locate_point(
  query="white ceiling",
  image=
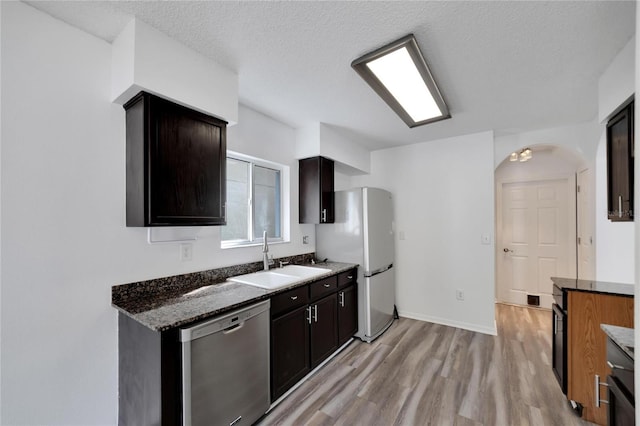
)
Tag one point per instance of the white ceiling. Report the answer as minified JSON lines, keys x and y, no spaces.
{"x":506,"y":66}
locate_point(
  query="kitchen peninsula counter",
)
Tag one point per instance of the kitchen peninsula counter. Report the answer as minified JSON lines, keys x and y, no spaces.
{"x":579,"y":349}
{"x":592,"y":286}
{"x":621,"y":336}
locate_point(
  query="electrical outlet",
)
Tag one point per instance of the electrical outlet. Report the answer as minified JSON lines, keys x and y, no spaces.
{"x":459,"y":294}
{"x":186,"y":252}
{"x":305,"y":239}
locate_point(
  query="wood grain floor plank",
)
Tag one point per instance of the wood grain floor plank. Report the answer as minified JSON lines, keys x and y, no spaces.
{"x":419,"y":373}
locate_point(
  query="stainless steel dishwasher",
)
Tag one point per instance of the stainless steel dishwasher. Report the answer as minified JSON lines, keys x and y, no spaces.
{"x":225,"y":368}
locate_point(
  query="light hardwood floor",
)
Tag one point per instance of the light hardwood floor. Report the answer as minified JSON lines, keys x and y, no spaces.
{"x":420,"y":373}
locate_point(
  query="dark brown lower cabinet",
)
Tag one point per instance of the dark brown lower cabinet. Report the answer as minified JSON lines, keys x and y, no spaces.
{"x":621,"y":411}
{"x":308,"y":325}
{"x":347,"y":313}
{"x":324,"y":328}
{"x":289,"y":350}
{"x":149,"y":375}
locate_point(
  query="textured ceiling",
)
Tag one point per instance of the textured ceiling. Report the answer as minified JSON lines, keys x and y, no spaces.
{"x":506,"y":66}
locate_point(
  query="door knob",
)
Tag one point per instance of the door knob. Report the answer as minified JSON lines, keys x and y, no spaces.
{"x":506,"y":250}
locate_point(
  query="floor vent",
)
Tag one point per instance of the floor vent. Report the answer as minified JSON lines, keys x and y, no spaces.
{"x":533,"y":300}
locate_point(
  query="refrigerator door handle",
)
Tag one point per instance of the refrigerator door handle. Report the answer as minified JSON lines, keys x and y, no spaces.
{"x":369,"y":274}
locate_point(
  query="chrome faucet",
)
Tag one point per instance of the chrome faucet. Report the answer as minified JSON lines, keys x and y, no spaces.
{"x":265,"y":252}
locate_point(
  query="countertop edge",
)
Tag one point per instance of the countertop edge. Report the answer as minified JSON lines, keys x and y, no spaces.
{"x":621,"y":336}
{"x":593,"y":286}
{"x":152,"y":318}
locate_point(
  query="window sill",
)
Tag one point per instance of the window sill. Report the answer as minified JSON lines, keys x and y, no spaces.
{"x":224,"y":246}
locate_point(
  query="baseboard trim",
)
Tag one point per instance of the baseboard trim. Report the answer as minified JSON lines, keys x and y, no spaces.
{"x":493,"y":331}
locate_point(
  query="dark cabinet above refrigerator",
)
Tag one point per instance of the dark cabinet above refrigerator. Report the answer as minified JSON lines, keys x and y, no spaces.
{"x":316,"y":190}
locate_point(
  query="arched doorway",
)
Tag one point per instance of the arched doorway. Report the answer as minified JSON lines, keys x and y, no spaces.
{"x":538,"y":213}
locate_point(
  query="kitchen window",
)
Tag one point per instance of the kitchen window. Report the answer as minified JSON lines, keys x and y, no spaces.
{"x":254,"y":201}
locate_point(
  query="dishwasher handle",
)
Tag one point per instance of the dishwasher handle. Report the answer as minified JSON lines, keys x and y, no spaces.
{"x":233,"y":328}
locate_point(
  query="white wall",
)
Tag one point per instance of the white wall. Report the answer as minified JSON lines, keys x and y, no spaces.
{"x":443,"y":203}
{"x":615,"y":241}
{"x":546,"y":162}
{"x":580,"y":139}
{"x":350,"y":157}
{"x":617,"y":83}
{"x":144,"y":58}
{"x":64,"y":240}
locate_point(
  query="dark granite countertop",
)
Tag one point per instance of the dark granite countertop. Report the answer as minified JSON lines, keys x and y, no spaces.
{"x":622,"y":336}
{"x":170,"y":302}
{"x":573,"y":284}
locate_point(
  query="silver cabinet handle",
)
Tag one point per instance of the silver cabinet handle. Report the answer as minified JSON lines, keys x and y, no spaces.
{"x":617,"y":367}
{"x":597,"y":385}
{"x":342,"y":299}
{"x":294,"y":297}
{"x":349,"y":277}
{"x":315,"y":313}
{"x":555,"y":324}
{"x":619,"y":205}
{"x":309,"y":314}
{"x":327,"y":285}
{"x":324,"y":215}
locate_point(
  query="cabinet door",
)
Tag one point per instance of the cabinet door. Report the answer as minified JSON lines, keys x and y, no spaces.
{"x":188,"y":164}
{"x":176,"y":164}
{"x":347,"y":313}
{"x":559,"y":346}
{"x":620,"y":166}
{"x":324,"y":328}
{"x":316,"y":190}
{"x":289,"y":350}
{"x":327,"y":209}
{"x":587,"y":345}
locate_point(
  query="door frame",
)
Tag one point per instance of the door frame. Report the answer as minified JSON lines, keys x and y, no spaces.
{"x":589,"y":226}
{"x":572,"y":215}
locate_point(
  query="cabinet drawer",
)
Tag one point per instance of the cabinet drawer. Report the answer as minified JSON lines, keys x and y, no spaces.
{"x":289,"y":300}
{"x":347,"y":277}
{"x":623,"y":368}
{"x":323,"y":287}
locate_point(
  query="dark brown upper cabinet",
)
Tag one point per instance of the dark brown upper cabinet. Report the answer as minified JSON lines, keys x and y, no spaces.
{"x":316,"y":190}
{"x":620,"y":160}
{"x":176,"y":164}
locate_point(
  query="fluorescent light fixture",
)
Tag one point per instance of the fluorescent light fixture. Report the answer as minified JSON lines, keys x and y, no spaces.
{"x":401,"y":77}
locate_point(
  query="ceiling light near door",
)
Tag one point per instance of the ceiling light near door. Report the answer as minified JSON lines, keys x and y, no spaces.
{"x":400,"y":76}
{"x":524,"y":155}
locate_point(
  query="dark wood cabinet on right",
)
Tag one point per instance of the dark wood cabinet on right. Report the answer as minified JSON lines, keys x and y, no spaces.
{"x":620,"y":159}
{"x":316,"y":200}
{"x":308,"y":324}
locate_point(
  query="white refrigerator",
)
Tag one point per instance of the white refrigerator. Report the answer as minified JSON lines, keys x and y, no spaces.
{"x":363,"y":233}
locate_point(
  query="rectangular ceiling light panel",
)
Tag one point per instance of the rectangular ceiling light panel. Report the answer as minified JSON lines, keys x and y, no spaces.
{"x":400,"y":76}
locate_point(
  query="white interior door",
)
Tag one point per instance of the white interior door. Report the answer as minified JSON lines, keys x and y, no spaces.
{"x":586,"y":252}
{"x":538,"y":238}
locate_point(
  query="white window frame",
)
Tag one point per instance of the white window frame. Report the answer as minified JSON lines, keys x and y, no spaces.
{"x":256,"y":240}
